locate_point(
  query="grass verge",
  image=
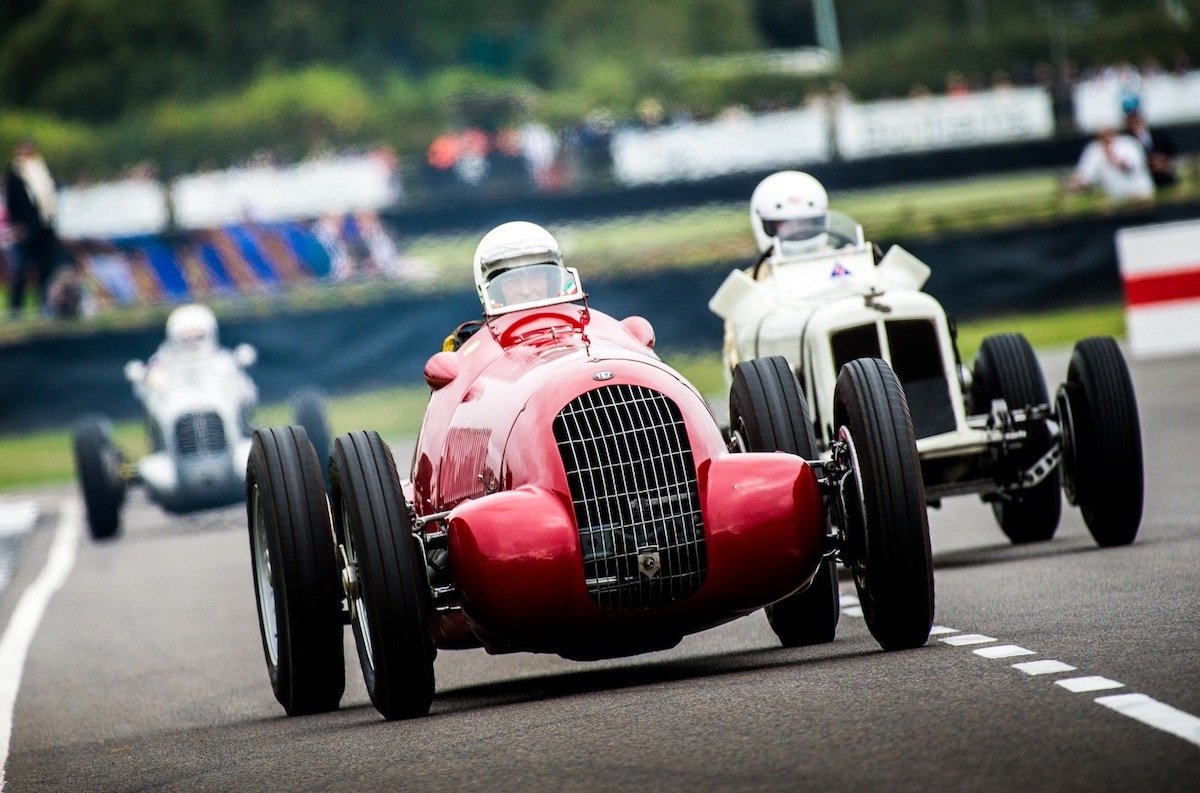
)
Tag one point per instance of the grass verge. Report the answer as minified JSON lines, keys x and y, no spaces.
{"x":43,"y":458}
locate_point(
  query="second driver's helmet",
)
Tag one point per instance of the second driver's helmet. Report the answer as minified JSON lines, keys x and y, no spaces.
{"x":192,"y":328}
{"x":789,"y":209}
{"x":519,"y":265}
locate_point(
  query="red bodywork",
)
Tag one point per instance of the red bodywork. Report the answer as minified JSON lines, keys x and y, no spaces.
{"x":487,"y":453}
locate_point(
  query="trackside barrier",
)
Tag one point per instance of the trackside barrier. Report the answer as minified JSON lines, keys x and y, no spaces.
{"x":1160,"y":272}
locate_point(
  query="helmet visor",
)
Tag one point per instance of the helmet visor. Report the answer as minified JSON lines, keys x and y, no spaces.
{"x":532,"y":284}
{"x":796,"y":229}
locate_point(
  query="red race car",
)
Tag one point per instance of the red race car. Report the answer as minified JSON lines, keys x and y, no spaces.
{"x":572,"y":494}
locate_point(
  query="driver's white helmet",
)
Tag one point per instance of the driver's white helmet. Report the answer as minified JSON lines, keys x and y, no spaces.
{"x":192,"y":328}
{"x":789,"y":209}
{"x":519,"y":265}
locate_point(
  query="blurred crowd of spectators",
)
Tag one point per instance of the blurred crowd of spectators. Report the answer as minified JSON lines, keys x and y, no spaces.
{"x":515,"y":159}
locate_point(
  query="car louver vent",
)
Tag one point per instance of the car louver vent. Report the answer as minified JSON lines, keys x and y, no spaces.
{"x":197,"y":433}
{"x":633,"y":483}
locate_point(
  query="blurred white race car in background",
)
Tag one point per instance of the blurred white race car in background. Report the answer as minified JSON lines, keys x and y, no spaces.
{"x":199,"y":404}
{"x":991,"y":429}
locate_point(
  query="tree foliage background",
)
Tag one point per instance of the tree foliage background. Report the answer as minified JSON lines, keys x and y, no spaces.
{"x":187,"y":83}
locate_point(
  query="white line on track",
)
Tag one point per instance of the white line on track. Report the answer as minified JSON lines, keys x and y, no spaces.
{"x":1047,"y":667}
{"x":28,"y":615}
{"x":1078,"y":685}
{"x":1156,"y":714}
{"x":1002,"y":651}
{"x":967,"y":638}
{"x":1147,"y":710}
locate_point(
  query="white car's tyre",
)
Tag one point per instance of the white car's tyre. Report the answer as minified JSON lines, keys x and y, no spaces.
{"x":1006,"y":367}
{"x":767,"y":413}
{"x":390,"y":599}
{"x":295,"y":571}
{"x":1102,"y":448}
{"x":309,"y":408}
{"x":98,"y":464}
{"x":884,"y":515}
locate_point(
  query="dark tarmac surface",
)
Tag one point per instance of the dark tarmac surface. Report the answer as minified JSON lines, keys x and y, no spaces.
{"x":147,"y":673}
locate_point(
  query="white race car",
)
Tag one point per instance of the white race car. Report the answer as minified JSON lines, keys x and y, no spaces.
{"x":991,"y":429}
{"x":199,"y":403}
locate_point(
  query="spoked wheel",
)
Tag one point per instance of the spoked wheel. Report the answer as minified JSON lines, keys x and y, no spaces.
{"x":295,"y":572}
{"x":1102,"y":442}
{"x":883,"y":504}
{"x":767,"y":413}
{"x":309,"y":407}
{"x":1007,"y":368}
{"x":384,"y":574}
{"x":98,"y":463}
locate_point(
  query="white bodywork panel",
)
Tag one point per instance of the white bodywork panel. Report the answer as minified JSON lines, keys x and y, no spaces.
{"x":178,"y":386}
{"x":795,"y":306}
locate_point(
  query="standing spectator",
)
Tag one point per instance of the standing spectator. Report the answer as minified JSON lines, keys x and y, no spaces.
{"x":1160,"y":152}
{"x":1117,"y":163}
{"x":30,"y":196}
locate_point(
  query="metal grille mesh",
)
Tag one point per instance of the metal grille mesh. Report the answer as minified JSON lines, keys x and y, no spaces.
{"x":633,"y":484}
{"x":197,"y":433}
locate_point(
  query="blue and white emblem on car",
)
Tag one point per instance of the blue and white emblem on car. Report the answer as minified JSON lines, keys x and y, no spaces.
{"x":602,"y":376}
{"x":839,"y":270}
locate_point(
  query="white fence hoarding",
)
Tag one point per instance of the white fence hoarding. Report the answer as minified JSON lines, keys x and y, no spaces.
{"x":871,"y":129}
{"x":220,"y":198}
{"x":114,"y":209}
{"x":307,"y":190}
{"x":690,"y":151}
{"x":1163,"y":98}
{"x":1160,"y":271}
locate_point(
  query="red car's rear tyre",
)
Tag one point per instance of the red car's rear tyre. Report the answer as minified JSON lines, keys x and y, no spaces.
{"x":391,"y":604}
{"x":886,"y":525}
{"x":295,"y":573}
{"x":1102,"y":449}
{"x":1007,"y":368}
{"x":767,"y":413}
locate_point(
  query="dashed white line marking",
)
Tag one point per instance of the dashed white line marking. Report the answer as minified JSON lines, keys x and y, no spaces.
{"x":848,"y":600}
{"x":1078,"y":685}
{"x":1156,"y":714}
{"x":1043,"y":667}
{"x":853,"y":611}
{"x":1002,"y":651}
{"x":939,"y":630}
{"x":28,"y":615}
{"x":967,"y":638}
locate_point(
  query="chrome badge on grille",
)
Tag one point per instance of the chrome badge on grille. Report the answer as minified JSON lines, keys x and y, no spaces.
{"x":648,"y":563}
{"x":602,"y":376}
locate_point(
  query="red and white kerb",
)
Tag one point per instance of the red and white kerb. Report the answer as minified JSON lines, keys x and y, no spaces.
{"x":1160,"y":271}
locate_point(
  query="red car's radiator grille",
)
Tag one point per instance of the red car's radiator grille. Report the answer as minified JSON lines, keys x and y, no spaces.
{"x":633,"y":483}
{"x":197,"y":433}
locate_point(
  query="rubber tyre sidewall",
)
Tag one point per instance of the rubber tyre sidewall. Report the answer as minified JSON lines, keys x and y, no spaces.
{"x":1110,"y":478}
{"x":895,"y":579}
{"x":391,"y":573}
{"x":309,"y":408}
{"x":1006,"y":367}
{"x":767,"y":406}
{"x":310,"y":675}
{"x":102,"y":496}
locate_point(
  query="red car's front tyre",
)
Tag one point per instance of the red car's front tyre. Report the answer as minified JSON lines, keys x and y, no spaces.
{"x":388,"y":589}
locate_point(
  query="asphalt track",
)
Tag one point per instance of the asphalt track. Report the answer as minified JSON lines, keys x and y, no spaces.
{"x":146,"y":673}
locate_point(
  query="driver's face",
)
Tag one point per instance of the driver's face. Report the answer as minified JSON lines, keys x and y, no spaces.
{"x":524,"y":285}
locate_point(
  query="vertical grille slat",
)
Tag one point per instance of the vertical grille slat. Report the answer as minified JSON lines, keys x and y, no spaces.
{"x":632,"y":478}
{"x":199,"y":433}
